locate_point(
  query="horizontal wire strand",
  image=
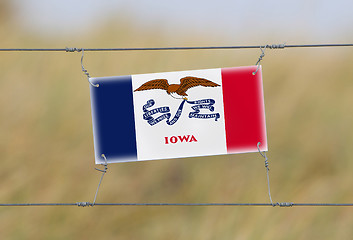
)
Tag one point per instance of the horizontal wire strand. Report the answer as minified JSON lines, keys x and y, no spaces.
{"x":272,"y":46}
{"x":87,"y":204}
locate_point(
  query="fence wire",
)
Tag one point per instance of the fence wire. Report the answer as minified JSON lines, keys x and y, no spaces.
{"x":89,"y":204}
{"x":268,"y":46}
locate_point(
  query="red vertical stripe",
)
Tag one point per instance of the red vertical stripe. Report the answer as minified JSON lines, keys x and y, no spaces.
{"x":244,"y":109}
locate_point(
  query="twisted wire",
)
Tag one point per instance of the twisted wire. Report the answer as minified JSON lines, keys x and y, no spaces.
{"x":263,"y":154}
{"x":103,"y":172}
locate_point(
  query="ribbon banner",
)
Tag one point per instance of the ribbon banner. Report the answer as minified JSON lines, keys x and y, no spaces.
{"x":178,"y":114}
{"x":148,"y":114}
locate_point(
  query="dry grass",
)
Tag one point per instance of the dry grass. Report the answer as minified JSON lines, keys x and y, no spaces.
{"x":46,"y":148}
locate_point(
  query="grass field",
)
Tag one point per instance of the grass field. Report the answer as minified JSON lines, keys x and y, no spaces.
{"x":46,"y":146}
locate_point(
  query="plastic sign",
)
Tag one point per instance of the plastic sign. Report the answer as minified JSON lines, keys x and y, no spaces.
{"x":178,"y":114}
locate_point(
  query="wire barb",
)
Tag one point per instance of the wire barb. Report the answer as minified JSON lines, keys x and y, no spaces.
{"x":105,"y":164}
{"x":263,"y":154}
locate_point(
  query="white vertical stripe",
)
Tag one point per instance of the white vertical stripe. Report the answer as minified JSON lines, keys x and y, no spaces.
{"x":210,"y":134}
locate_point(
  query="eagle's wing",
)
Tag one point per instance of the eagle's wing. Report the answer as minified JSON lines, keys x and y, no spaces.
{"x":154,"y":84}
{"x":189,"y":82}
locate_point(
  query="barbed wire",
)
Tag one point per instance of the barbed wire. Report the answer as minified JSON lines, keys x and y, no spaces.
{"x":269,"y":46}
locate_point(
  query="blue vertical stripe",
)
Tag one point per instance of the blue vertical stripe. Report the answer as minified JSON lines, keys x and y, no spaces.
{"x":113,"y":119}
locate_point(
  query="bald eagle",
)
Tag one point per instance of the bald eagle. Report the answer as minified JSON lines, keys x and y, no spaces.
{"x":180,"y":89}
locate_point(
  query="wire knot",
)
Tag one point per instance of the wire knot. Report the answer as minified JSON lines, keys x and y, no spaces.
{"x":84,"y":204}
{"x":263,"y":48}
{"x":261,"y":55}
{"x":67,"y":49}
{"x":283,"y":204}
{"x":105,"y":164}
{"x":260,"y":59}
{"x":276,"y":46}
{"x":267,"y":164}
{"x":263,"y":154}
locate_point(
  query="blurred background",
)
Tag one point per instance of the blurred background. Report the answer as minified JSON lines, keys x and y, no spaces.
{"x":46,"y":140}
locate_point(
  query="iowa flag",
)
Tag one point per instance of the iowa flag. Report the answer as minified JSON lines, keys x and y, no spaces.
{"x":178,"y":114}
